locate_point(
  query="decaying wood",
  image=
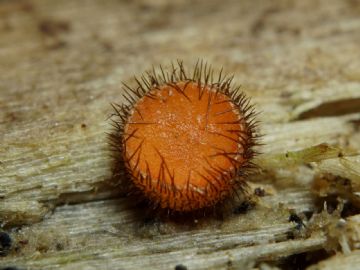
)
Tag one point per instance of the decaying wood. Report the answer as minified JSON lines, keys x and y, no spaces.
{"x":62,"y":64}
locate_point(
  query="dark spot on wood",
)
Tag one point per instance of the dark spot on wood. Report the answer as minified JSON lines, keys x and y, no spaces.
{"x":345,"y":182}
{"x":180,"y":267}
{"x":11,"y":117}
{"x":308,"y":165}
{"x":23,"y":242}
{"x":323,"y":148}
{"x":290,"y":235}
{"x":349,"y":209}
{"x":50,"y":27}
{"x":5,"y":243}
{"x":83,"y":125}
{"x":331,"y":203}
{"x":259,"y":192}
{"x":42,"y":248}
{"x":149,"y":221}
{"x":303,"y":260}
{"x":308,"y":214}
{"x":356,"y":124}
{"x":59,"y":246}
{"x":244,"y":207}
{"x":296,"y":219}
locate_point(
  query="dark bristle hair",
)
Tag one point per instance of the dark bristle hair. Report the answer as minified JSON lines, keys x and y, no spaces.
{"x":202,"y":75}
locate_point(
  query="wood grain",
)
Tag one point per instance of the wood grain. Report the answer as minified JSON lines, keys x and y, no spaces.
{"x":62,"y":64}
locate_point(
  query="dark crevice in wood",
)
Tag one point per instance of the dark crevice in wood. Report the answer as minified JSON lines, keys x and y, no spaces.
{"x":335,"y":108}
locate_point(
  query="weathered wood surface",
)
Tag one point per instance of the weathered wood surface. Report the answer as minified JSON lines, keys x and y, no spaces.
{"x":62,"y":64}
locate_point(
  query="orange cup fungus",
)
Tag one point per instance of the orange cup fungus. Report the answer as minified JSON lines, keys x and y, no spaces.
{"x":186,"y":142}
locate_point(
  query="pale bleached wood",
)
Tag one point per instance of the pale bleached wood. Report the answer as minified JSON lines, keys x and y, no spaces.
{"x":62,"y":64}
{"x":121,"y":234}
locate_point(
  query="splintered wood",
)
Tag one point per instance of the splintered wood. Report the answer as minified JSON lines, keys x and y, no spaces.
{"x":62,"y":64}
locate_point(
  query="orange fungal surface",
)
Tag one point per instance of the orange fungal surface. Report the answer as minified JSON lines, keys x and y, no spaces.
{"x":183,"y":144}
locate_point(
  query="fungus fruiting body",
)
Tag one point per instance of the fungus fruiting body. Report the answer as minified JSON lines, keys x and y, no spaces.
{"x":184,"y":140}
